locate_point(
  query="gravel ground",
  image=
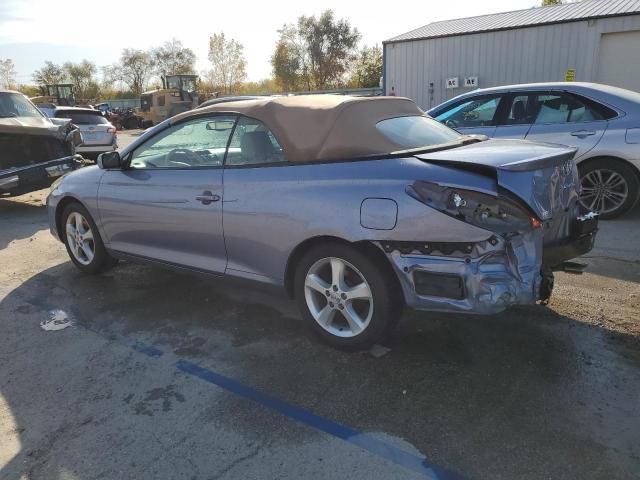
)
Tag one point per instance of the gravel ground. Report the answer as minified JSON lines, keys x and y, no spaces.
{"x":537,"y":392}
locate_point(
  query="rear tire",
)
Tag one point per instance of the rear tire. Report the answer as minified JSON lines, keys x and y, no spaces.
{"x":344,"y":296}
{"x":609,"y":187}
{"x":83,"y":241}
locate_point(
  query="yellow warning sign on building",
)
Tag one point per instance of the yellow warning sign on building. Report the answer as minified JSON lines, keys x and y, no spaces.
{"x":570,"y":75}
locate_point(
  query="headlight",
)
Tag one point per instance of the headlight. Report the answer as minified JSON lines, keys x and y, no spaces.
{"x":498,"y":214}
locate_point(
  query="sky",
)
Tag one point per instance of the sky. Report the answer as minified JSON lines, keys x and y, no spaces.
{"x":33,"y":31}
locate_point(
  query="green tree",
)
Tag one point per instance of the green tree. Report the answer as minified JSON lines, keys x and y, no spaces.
{"x":49,"y":74}
{"x":7,"y":73}
{"x":228,"y":61}
{"x":316,"y":52}
{"x":546,"y":3}
{"x":82,"y":75}
{"x":173,"y":58}
{"x":367,"y":69}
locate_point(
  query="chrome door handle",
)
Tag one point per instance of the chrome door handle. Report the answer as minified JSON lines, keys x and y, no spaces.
{"x":582,"y":133}
{"x":207,"y":197}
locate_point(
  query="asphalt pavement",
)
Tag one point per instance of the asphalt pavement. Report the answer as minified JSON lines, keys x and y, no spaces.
{"x":146,"y":373}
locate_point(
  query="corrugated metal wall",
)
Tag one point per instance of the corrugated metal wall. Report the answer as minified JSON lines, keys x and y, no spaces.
{"x":535,"y":54}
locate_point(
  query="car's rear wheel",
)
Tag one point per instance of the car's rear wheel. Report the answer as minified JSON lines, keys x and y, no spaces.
{"x":345,"y":296}
{"x":609,"y":187}
{"x":83,"y":241}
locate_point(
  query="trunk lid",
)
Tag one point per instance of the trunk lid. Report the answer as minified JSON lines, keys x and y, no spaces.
{"x":542,"y":175}
{"x":96,"y":134}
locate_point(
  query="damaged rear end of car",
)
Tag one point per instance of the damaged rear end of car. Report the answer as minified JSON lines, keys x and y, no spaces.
{"x":33,"y":150}
{"x":528,"y":206}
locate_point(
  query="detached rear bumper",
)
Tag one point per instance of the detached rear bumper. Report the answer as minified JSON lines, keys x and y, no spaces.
{"x":581,"y":240}
{"x":20,"y":180}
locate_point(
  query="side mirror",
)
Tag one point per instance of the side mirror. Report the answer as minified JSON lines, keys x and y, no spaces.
{"x":109,"y":160}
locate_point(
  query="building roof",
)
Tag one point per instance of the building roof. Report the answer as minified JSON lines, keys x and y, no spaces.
{"x":568,"y":12}
{"x":321,"y":127}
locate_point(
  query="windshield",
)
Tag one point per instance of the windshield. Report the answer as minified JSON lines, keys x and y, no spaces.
{"x":83,"y":118}
{"x":17,"y":105}
{"x":416,"y":131}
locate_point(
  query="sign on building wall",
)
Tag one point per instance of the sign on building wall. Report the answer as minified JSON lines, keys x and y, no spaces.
{"x":471,"y":82}
{"x":570,"y":75}
{"x":452,"y":82}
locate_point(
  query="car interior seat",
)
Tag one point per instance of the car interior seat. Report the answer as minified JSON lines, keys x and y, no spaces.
{"x":256,"y":147}
{"x":519,"y":112}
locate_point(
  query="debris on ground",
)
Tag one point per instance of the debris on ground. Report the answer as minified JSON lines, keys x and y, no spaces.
{"x":58,"y":320}
{"x":377,"y":351}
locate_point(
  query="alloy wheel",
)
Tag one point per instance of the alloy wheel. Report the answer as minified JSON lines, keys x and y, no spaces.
{"x":80,"y":238}
{"x":603,"y":191}
{"x":338,"y":297}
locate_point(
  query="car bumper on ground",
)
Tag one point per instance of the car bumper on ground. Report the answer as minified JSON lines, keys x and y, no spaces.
{"x":34,"y":177}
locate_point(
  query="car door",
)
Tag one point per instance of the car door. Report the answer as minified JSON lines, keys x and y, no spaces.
{"x":567,"y":119}
{"x":516,"y":115}
{"x":166,"y":204}
{"x":472,"y":115}
{"x":256,"y":225}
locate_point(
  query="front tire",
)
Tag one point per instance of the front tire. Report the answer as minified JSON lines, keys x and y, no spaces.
{"x":83,"y":241}
{"x":609,"y":187}
{"x":344,"y":296}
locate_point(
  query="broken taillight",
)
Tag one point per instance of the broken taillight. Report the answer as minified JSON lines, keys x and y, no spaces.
{"x":497,"y":213}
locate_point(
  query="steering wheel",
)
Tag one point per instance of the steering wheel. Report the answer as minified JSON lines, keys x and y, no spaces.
{"x":183,"y":156}
{"x":451,"y":123}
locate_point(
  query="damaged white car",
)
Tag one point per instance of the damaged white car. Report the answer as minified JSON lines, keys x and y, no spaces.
{"x":33,"y":150}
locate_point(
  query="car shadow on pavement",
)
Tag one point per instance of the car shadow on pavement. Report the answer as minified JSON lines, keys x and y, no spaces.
{"x":616,"y":253}
{"x":529,"y":393}
{"x":29,"y":214}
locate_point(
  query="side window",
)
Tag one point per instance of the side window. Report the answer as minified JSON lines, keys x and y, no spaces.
{"x":565,"y":108}
{"x":253,"y":144}
{"x":520,"y":111}
{"x":200,"y":142}
{"x":474,"y":112}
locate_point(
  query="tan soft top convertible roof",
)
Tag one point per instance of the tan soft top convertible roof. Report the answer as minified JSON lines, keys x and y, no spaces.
{"x":322,"y":127}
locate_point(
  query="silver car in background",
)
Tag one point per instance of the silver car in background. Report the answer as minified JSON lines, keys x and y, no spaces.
{"x":601,"y":121}
{"x":356,"y":206}
{"x":98,"y":134}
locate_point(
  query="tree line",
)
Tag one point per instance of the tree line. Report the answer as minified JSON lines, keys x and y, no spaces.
{"x":312,"y":54}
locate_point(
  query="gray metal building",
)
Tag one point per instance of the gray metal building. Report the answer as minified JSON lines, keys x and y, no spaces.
{"x":591,"y":41}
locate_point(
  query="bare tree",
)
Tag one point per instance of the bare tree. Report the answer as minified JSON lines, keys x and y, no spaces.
{"x":172,"y":58}
{"x":228,"y":61}
{"x":49,"y":74}
{"x":7,"y":73}
{"x":82,"y":76}
{"x":134,"y":69}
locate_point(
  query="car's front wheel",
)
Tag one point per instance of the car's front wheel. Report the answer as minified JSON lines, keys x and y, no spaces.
{"x":83,"y":241}
{"x":345,"y":297}
{"x":609,"y":187}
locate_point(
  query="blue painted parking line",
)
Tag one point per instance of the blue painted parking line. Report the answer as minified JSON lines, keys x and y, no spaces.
{"x":373,"y":445}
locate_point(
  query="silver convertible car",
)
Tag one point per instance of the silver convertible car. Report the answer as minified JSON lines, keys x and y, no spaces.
{"x":356,"y":206}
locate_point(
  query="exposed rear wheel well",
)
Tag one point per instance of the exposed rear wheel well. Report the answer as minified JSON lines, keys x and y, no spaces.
{"x":364,"y":246}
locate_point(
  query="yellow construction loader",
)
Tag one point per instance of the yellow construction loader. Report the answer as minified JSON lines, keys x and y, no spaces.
{"x":178,"y":94}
